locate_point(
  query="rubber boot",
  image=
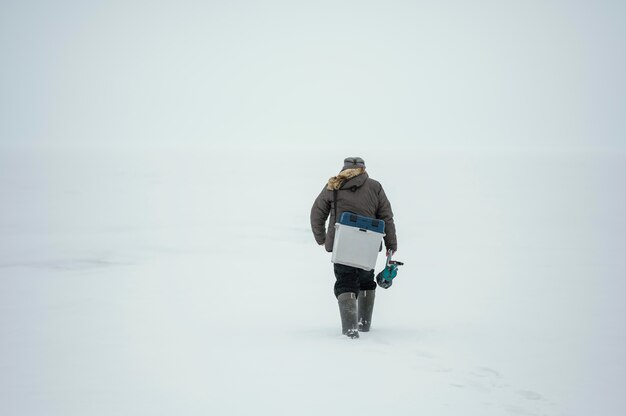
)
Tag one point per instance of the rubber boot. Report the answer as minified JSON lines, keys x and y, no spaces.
{"x":366,"y":308}
{"x":348,"y":312}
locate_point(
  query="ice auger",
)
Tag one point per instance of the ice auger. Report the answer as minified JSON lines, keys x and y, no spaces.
{"x":385,"y":278}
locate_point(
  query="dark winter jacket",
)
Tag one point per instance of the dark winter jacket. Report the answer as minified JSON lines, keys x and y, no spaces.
{"x":358,"y":193}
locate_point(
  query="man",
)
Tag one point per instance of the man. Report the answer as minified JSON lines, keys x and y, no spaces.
{"x":354,"y":191}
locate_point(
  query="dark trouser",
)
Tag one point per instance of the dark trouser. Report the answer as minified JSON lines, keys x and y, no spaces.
{"x":353,"y":279}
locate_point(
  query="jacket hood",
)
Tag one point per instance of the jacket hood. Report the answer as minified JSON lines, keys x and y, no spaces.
{"x":336,"y":182}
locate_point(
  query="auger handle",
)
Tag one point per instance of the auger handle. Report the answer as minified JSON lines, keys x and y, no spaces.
{"x":390,"y":262}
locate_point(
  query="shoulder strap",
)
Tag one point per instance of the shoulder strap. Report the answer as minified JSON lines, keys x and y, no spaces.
{"x":335,"y":203}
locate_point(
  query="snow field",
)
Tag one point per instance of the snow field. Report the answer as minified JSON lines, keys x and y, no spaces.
{"x":189,"y":282}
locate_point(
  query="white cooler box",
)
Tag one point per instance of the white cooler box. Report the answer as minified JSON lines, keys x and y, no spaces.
{"x":357,"y":241}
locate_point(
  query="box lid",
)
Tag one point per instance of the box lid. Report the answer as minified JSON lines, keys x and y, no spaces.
{"x":354,"y":220}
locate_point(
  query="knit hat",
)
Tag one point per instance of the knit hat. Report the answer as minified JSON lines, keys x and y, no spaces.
{"x":353,"y":162}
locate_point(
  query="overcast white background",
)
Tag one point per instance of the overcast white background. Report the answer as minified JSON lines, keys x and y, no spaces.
{"x":451,"y":73}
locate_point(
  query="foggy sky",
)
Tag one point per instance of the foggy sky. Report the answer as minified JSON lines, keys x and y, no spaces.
{"x":431,"y":73}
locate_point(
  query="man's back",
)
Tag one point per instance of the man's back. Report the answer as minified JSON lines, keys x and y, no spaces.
{"x":357,"y":193}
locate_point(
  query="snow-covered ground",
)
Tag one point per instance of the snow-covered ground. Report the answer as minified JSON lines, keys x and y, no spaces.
{"x":188,"y":282}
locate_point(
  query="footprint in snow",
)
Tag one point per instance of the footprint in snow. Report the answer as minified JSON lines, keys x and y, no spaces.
{"x":424,"y":354}
{"x":530,"y":395}
{"x":486,"y":372}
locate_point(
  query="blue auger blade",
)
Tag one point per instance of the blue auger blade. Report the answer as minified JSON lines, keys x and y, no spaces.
{"x":385,"y":278}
